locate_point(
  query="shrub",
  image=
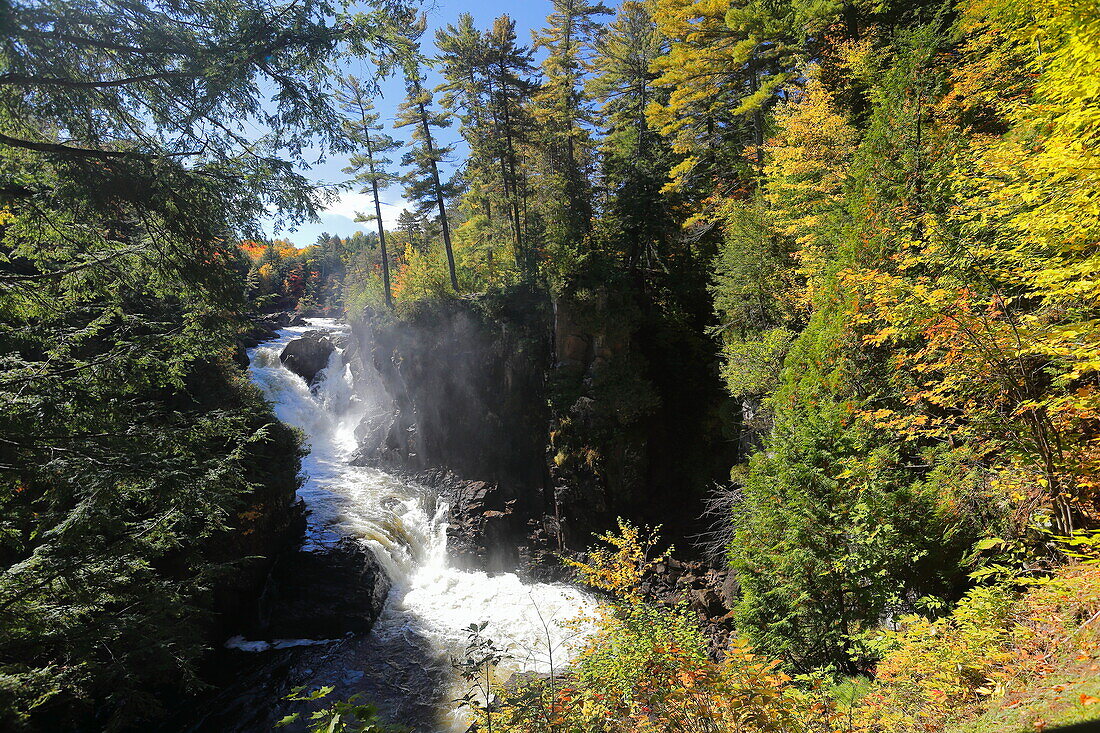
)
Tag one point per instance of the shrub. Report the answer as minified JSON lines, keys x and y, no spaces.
{"x":996,"y":642}
{"x":646,"y":668}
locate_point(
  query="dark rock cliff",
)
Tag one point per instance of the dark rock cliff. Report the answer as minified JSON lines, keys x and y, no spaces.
{"x":543,"y":420}
{"x":638,"y":425}
{"x":323,"y":595}
{"x":464,"y":395}
{"x":467,"y":384}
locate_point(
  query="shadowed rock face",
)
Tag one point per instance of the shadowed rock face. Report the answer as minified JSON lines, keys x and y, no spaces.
{"x":542,"y":421}
{"x":308,"y":355}
{"x":465,"y":410}
{"x":468,"y":394}
{"x":323,"y":595}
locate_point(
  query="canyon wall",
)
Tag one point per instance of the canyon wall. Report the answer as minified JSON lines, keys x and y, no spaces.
{"x":542,"y":420}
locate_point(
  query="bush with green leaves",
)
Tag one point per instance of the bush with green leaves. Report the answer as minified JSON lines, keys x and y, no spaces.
{"x":353,"y":715}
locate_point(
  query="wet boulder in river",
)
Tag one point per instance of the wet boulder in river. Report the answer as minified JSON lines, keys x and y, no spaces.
{"x":323,"y":594}
{"x":308,"y":355}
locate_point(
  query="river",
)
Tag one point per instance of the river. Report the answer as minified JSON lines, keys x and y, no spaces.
{"x":405,"y":663}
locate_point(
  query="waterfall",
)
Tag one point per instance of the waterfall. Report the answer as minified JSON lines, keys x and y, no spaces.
{"x":423,"y":625}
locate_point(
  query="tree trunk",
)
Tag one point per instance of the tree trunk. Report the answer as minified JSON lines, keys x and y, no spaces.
{"x":507,"y":170}
{"x":439,"y":197}
{"x":381,"y":228}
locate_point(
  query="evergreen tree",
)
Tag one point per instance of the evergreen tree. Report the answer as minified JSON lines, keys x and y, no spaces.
{"x":636,"y":159}
{"x":488,"y":85}
{"x":414,"y":229}
{"x":463,"y":58}
{"x":129,"y":445}
{"x":370,"y":166}
{"x":510,"y":88}
{"x":462,"y":55}
{"x":563,"y":113}
{"x":423,"y":185}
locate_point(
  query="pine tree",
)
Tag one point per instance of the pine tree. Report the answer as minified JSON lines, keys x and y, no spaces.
{"x":370,"y":166}
{"x":487,"y":83}
{"x":413,"y":229}
{"x":465,"y":94}
{"x":635,"y":158}
{"x":510,"y":88}
{"x":462,"y":55}
{"x":564,"y":116}
{"x":423,"y":184}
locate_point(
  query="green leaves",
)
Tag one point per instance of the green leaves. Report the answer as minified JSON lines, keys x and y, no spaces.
{"x":128,"y":445}
{"x":343,"y":716}
{"x":299,"y":694}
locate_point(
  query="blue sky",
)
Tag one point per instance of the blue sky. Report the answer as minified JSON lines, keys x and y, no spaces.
{"x":339,"y":217}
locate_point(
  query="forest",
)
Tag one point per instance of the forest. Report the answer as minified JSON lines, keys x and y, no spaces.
{"x":801,"y":295}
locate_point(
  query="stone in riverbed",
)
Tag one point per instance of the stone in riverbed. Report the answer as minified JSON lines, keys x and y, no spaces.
{"x":324,"y":594}
{"x":308,"y":355}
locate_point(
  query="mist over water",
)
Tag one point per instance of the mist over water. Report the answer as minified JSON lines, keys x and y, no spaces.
{"x":405,"y":663}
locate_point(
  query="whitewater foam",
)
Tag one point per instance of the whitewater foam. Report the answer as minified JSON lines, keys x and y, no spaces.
{"x":406,"y":527}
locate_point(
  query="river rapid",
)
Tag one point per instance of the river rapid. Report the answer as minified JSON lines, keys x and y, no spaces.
{"x":405,"y":663}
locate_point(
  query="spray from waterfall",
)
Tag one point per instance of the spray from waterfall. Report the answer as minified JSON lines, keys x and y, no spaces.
{"x":405,"y":526}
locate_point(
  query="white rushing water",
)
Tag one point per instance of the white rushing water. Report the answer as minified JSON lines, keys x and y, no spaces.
{"x":431,"y":603}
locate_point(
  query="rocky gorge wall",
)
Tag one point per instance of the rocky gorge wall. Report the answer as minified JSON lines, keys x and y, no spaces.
{"x":463,"y":407}
{"x":466,"y":381}
{"x":542,"y":420}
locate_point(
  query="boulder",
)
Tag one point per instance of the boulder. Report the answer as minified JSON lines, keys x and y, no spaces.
{"x":709,"y":602}
{"x":240,"y":355}
{"x":386,"y":439}
{"x":266,"y":326}
{"x":323,"y":594}
{"x":308,"y":355}
{"x":484,"y":529}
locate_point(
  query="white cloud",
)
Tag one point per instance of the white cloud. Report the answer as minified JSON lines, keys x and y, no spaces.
{"x":339,"y":218}
{"x":348,"y":204}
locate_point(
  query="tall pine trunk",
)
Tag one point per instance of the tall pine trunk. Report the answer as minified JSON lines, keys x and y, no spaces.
{"x":439,"y":196}
{"x":381,"y":228}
